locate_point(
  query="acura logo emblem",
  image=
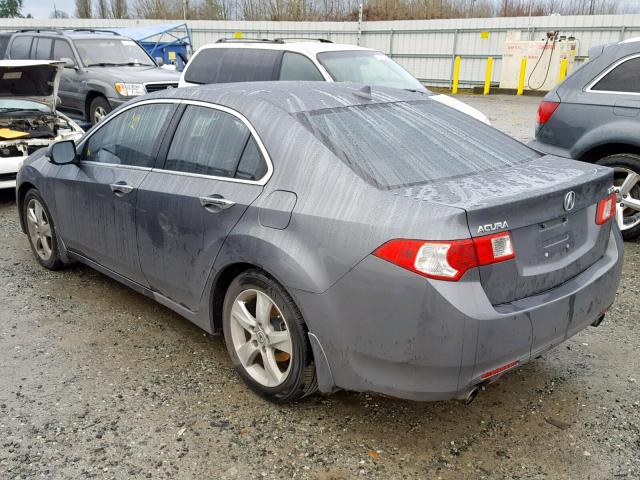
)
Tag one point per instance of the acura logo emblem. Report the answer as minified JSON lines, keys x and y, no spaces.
{"x":569,"y":200}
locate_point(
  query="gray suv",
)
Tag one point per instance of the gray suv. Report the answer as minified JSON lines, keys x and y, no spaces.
{"x":103,"y":69}
{"x":594,"y":116}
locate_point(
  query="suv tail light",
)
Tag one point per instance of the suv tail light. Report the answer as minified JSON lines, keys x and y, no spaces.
{"x":545,"y":110}
{"x":606,"y":209}
{"x":447,"y":260}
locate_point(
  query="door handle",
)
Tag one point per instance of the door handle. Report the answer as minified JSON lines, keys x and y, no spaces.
{"x":216,"y":203}
{"x":121,"y":188}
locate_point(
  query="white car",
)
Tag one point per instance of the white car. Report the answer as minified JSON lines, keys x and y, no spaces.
{"x":238,"y":60}
{"x":28,"y":117}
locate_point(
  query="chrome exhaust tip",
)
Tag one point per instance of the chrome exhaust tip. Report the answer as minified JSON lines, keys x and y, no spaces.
{"x":469,"y":397}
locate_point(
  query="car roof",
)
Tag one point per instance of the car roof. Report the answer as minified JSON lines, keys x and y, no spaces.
{"x":292,"y":97}
{"x":309,"y":47}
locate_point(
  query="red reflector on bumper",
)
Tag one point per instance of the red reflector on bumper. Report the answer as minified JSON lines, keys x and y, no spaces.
{"x":500,"y":369}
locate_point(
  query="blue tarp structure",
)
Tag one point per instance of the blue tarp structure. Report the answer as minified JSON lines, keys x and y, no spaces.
{"x":169,"y":41}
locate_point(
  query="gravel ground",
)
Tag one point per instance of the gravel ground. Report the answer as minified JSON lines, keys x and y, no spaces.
{"x":97,"y":381}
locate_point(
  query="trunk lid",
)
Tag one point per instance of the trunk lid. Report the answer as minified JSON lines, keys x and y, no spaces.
{"x":552,"y":243}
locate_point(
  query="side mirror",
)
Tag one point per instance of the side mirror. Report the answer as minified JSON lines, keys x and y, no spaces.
{"x":160,"y":61}
{"x":62,"y":152}
{"x":68,"y":62}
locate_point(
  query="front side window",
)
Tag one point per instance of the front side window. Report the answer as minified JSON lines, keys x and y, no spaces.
{"x":62,"y":49}
{"x":400,"y":144}
{"x":298,"y":67}
{"x":368,"y":67}
{"x":216,"y":143}
{"x":112,"y":52}
{"x":624,"y":78}
{"x":225,"y":65}
{"x":20,"y":48}
{"x":130,"y":138}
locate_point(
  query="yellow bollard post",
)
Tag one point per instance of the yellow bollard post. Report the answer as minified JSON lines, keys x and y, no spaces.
{"x":456,"y":75}
{"x":563,"y":69}
{"x":487,"y":76}
{"x":523,"y":70}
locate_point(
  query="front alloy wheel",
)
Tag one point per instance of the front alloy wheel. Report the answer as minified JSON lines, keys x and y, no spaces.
{"x":39,"y":229}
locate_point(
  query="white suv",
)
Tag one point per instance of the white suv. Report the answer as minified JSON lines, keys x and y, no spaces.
{"x":231,"y":60}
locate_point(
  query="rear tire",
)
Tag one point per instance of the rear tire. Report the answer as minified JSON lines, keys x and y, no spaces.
{"x":270,"y":351}
{"x":41,"y":231}
{"x":627,"y":183}
{"x":98,"y":109}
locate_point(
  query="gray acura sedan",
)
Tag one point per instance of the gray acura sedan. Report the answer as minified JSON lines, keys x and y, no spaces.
{"x":339,"y":236}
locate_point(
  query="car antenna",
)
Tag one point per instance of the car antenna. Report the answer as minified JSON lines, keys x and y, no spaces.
{"x":364,"y":92}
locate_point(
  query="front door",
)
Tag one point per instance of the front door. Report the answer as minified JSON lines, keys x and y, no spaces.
{"x":72,"y":91}
{"x":99,"y":194}
{"x":214,"y":169}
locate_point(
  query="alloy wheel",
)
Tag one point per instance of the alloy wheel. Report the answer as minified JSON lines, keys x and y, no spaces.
{"x":627,"y":185}
{"x":261,"y":338}
{"x":99,"y":113}
{"x":39,"y":229}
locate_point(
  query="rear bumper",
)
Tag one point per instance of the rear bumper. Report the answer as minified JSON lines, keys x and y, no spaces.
{"x":386,"y":330}
{"x":548,"y":149}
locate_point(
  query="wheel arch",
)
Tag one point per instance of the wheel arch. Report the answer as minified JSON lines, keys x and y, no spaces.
{"x":604,"y":150}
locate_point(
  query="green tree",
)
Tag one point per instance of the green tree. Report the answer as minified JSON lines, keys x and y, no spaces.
{"x":10,"y":8}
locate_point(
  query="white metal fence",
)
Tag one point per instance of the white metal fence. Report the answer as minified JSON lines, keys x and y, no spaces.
{"x":425,"y":47}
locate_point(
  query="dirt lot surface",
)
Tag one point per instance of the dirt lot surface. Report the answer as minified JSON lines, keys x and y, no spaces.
{"x":97,"y":381}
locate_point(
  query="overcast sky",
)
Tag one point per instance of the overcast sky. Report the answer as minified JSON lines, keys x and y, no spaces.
{"x":43,"y":8}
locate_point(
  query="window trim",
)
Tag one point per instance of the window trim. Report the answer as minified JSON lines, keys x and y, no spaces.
{"x":609,"y":69}
{"x":198,"y":103}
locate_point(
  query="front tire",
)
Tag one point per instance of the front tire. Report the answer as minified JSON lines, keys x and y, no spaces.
{"x":267,"y":338}
{"x":626,"y":168}
{"x":41,"y":231}
{"x":98,"y":109}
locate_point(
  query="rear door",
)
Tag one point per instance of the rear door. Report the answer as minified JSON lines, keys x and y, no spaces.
{"x":215,"y":166}
{"x":98,"y":196}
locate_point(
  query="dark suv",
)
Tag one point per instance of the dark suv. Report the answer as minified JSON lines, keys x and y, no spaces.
{"x":594,"y":116}
{"x":103,"y":69}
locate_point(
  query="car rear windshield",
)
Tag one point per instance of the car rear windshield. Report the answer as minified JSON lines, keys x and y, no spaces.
{"x":393,"y":145}
{"x":222,"y":65}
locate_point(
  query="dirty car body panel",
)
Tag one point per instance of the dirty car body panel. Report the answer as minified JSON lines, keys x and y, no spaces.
{"x":326,"y":201}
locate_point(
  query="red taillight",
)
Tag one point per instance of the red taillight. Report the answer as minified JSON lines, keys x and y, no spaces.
{"x":606,"y":209}
{"x":545,"y":110}
{"x":447,"y":260}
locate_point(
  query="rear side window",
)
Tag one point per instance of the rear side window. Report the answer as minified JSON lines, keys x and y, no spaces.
{"x":20,"y":48}
{"x":298,"y":67}
{"x":624,"y":78}
{"x":62,"y":49}
{"x":401,"y":144}
{"x":211,"y":142}
{"x":43,"y":49}
{"x":222,"y":65}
